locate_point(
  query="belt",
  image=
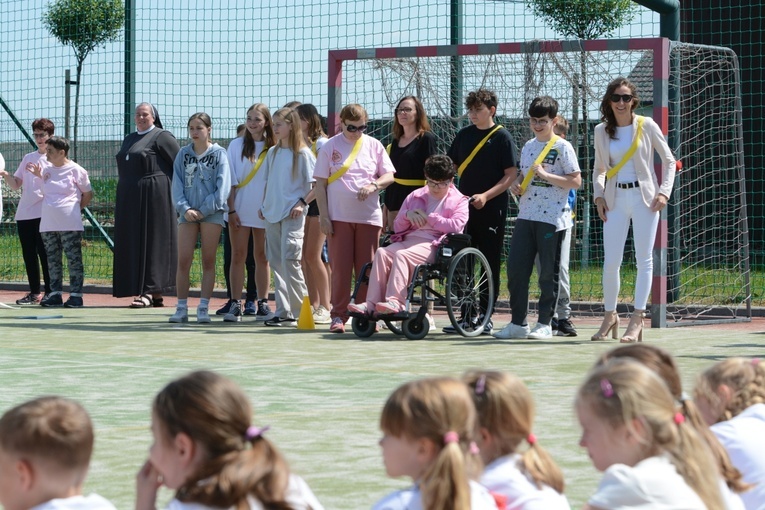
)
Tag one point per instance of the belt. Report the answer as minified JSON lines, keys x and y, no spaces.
{"x":628,"y":185}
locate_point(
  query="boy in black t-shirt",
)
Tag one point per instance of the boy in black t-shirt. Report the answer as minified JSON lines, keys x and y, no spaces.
{"x":485,"y":178}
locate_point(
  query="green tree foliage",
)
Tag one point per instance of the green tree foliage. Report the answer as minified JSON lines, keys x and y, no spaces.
{"x":84,"y":25}
{"x":584,"y":19}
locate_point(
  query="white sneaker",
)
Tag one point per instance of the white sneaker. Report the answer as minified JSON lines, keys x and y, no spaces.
{"x":181,"y":315}
{"x":321,"y":316}
{"x":541,"y":331}
{"x":431,"y":321}
{"x":203,"y":315}
{"x":512,"y":331}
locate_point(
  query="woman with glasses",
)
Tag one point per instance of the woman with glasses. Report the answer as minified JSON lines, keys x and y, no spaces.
{"x":627,"y":189}
{"x":413,"y":143}
{"x":29,"y":211}
{"x":426,"y":216}
{"x":351,"y":169}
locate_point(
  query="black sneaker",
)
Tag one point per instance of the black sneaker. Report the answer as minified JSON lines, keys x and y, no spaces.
{"x":264,"y":312}
{"x":223,"y":310}
{"x":29,"y":299}
{"x":52,"y":300}
{"x":234,"y":313}
{"x":554,"y":324}
{"x":73,"y":302}
{"x":279,"y":322}
{"x":566,"y":328}
{"x":488,"y":329}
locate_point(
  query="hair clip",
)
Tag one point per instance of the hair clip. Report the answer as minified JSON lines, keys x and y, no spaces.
{"x":606,"y":388}
{"x":254,"y":432}
{"x":451,"y":437}
{"x":531,"y":439}
{"x":755,"y":361}
{"x":480,"y":385}
{"x":679,"y":418}
{"x":474,"y":448}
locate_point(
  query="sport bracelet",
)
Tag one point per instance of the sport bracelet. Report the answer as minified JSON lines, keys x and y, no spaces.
{"x":302,"y":201}
{"x":377,"y":186}
{"x":232,"y":212}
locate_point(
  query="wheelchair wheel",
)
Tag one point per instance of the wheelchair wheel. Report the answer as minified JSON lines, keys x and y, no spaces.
{"x":469,"y":292}
{"x":415,"y":328}
{"x":394,"y":327}
{"x":363,"y":327}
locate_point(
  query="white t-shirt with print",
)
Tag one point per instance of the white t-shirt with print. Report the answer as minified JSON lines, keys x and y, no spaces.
{"x":543,"y":201}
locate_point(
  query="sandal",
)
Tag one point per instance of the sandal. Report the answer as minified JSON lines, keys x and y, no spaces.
{"x":157,"y":302}
{"x":142,"y":301}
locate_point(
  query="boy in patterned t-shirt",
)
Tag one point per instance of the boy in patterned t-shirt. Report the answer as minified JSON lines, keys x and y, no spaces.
{"x":543,"y":217}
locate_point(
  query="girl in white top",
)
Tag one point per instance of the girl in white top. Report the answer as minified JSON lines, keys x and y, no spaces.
{"x":651,"y":457}
{"x":288,"y":172}
{"x":731,"y":397}
{"x":528,"y":480}
{"x":428,"y":428}
{"x":316,"y":273}
{"x":207,"y":450}
{"x":246,"y":156}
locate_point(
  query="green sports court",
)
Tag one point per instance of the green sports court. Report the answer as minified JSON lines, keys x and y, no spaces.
{"x":321,"y":393}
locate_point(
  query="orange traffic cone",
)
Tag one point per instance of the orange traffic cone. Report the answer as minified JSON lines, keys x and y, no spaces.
{"x":305,"y":320}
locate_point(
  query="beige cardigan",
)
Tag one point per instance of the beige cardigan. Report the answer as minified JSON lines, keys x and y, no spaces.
{"x":651,"y":138}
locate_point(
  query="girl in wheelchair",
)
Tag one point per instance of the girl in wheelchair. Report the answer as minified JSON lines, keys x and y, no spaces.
{"x":425,"y":217}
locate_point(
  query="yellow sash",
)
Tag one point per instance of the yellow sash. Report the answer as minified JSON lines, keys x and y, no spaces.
{"x":313,"y":148}
{"x":405,"y":182}
{"x":348,"y":161}
{"x":478,"y":147}
{"x":255,"y":168}
{"x":630,"y":152}
{"x":538,"y":161}
{"x":410,"y":182}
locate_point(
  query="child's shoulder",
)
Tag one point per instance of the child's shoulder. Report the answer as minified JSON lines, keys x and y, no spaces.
{"x":89,"y":502}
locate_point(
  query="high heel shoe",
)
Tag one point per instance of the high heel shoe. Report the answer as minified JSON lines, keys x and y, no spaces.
{"x":634,"y":332}
{"x":610,"y":325}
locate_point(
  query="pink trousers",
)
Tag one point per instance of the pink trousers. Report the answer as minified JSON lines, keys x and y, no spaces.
{"x":393,"y":267}
{"x":350,"y":247}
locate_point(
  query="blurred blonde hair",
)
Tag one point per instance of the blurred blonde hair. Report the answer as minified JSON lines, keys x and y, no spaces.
{"x":429,"y":408}
{"x":639,"y":394}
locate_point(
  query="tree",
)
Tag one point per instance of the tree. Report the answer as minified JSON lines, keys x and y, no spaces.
{"x":584,"y":19}
{"x":84,"y":25}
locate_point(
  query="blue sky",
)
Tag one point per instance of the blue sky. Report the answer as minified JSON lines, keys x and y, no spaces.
{"x":197,"y":56}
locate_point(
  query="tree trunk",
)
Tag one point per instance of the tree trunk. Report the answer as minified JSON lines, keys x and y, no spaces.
{"x":76,"y":107}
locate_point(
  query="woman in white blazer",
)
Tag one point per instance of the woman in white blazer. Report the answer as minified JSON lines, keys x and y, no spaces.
{"x":634,"y":194}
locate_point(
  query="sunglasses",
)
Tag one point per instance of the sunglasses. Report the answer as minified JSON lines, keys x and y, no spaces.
{"x":627,"y":98}
{"x":352,"y":129}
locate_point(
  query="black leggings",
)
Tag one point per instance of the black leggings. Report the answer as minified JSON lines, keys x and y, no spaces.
{"x":33,"y":249}
{"x":249,"y":264}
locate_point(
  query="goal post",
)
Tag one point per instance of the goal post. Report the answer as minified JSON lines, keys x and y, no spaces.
{"x":691,"y":283}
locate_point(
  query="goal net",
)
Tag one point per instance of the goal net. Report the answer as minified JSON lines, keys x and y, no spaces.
{"x":701,"y":270}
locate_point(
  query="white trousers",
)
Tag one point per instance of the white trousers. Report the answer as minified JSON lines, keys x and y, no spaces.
{"x":629,"y":206}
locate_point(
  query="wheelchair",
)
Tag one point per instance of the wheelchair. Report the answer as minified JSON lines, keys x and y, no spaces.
{"x":459,"y":279}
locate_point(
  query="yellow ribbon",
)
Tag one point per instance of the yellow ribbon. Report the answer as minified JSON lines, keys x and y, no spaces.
{"x":478,"y":147}
{"x":630,"y":152}
{"x":410,"y":182}
{"x":313,"y":148}
{"x":388,"y":148}
{"x":255,"y":168}
{"x":542,"y":155}
{"x":348,"y":161}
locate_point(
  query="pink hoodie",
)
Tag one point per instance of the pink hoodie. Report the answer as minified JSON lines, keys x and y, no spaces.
{"x":452,"y":218}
